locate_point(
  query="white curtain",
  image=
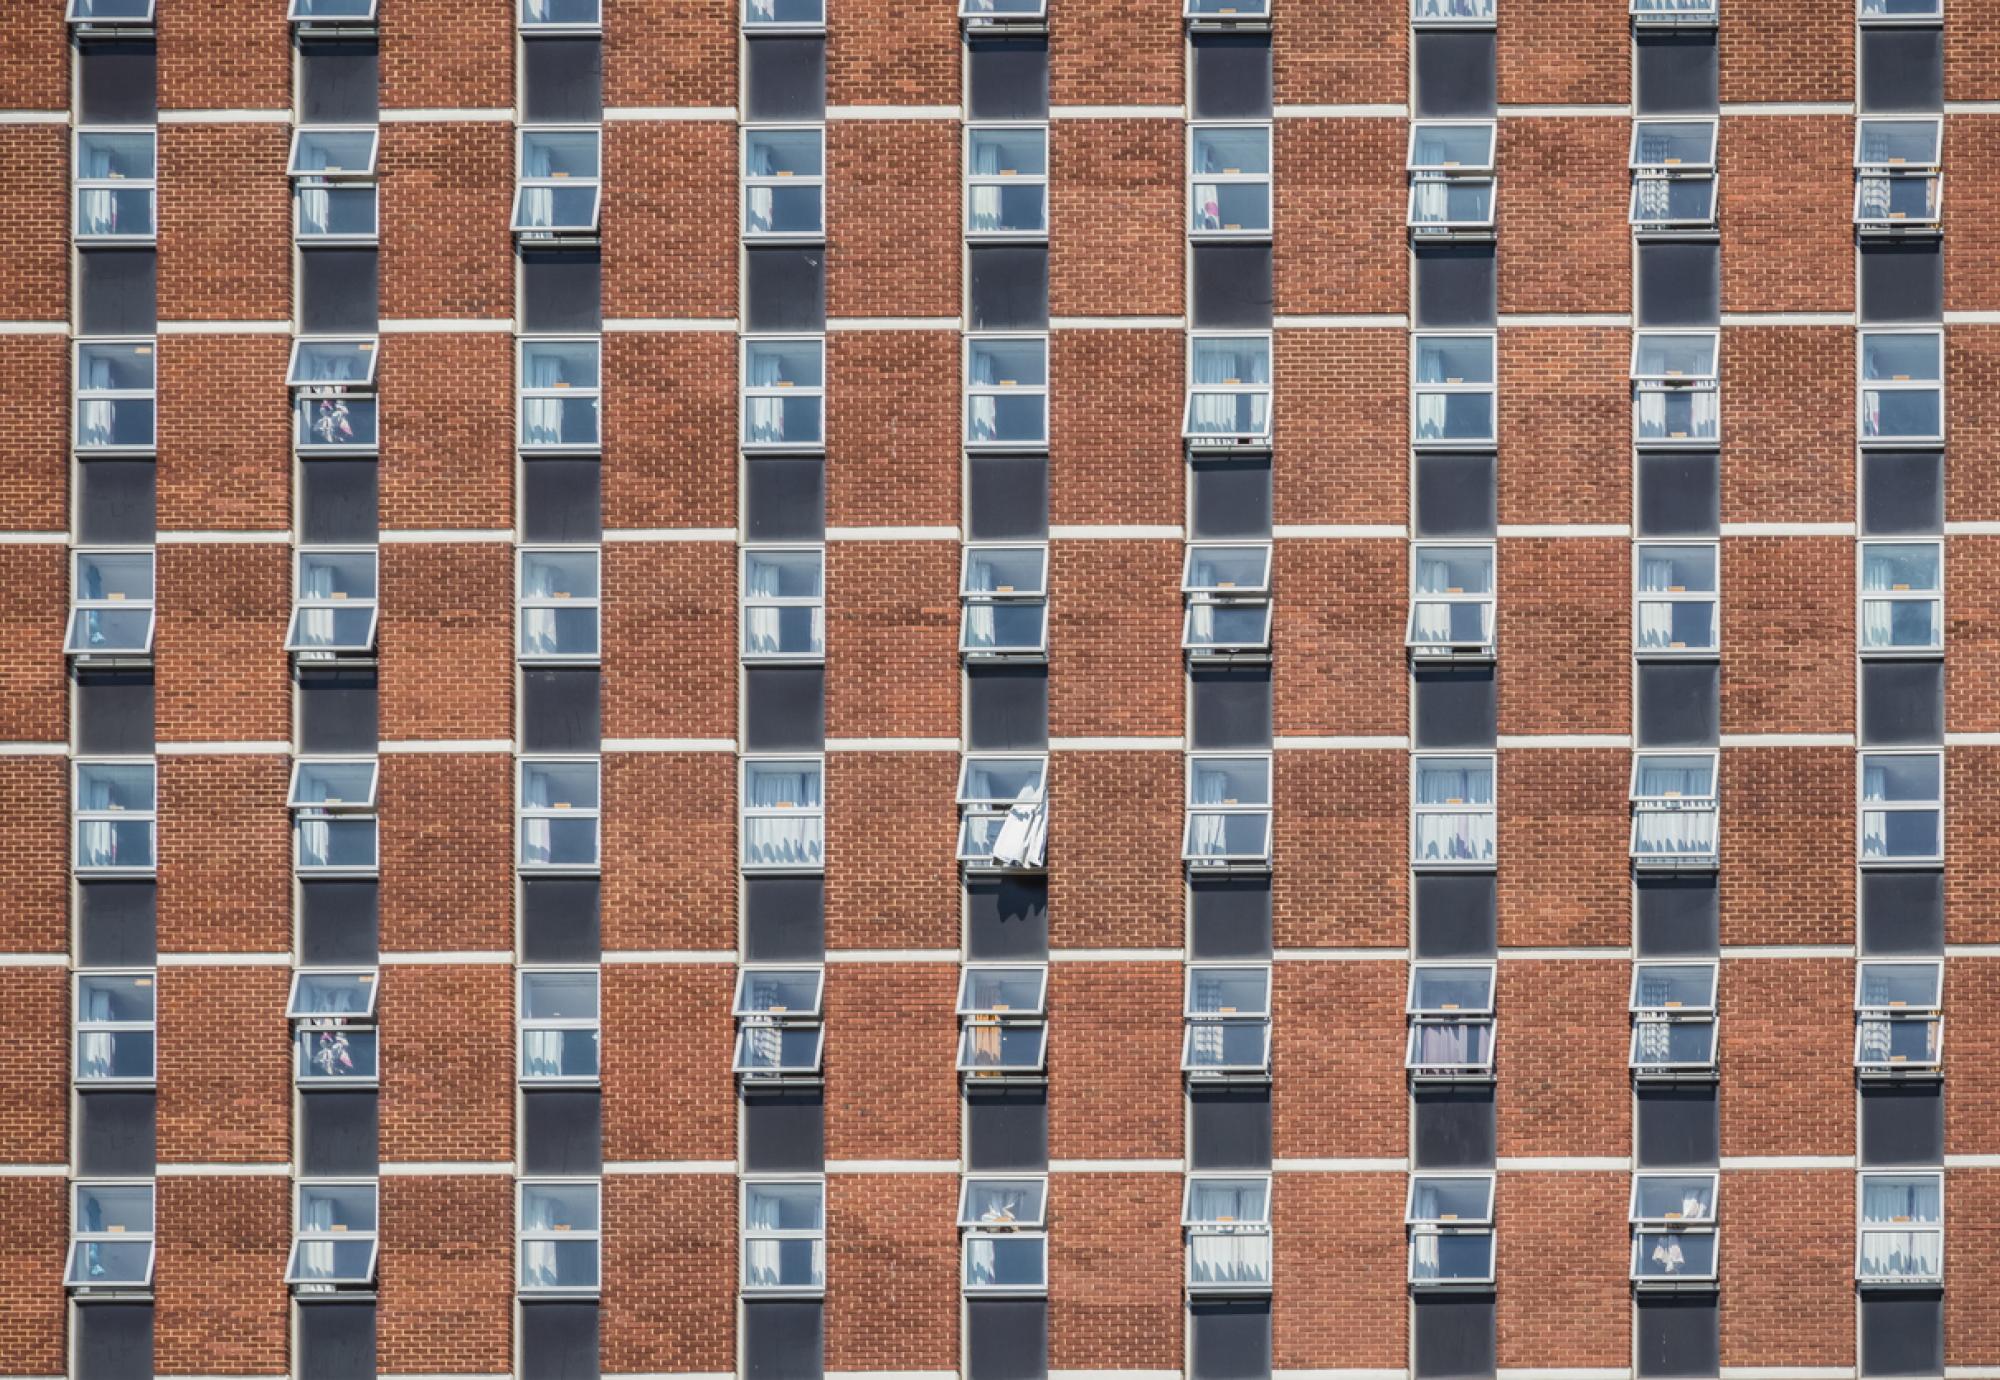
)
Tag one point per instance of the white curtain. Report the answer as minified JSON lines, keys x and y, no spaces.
{"x":1875,"y":196}
{"x":986,"y":197}
{"x":1424,"y":1206}
{"x":1900,"y":1253}
{"x":315,"y":837}
{"x":96,"y":207}
{"x":1659,"y":412}
{"x":538,"y":1258}
{"x":94,"y":416}
{"x":1433,"y":617}
{"x":776,"y":839}
{"x":97,"y":840}
{"x":762,"y":623}
{"x":316,"y":1257}
{"x":541,"y":418}
{"x":761,"y":200}
{"x":766,"y":419}
{"x":1460,"y":837}
{"x":541,"y":1053}
{"x":1023,"y":838}
{"x":762,"y":1265}
{"x":1217,"y":412}
{"x":1441,"y":1043}
{"x":1454,"y":9}
{"x":1656,"y":617}
{"x":979,"y":626}
{"x":538,"y":204}
{"x":94,"y":1049}
{"x":982,"y":409}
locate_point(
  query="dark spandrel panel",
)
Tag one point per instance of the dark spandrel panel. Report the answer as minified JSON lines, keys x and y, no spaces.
{"x":1679,"y":1336}
{"x":114,"y":1341}
{"x":1232,"y":76}
{"x":1455,"y":73}
{"x":116,"y":82}
{"x":339,"y":921}
{"x":784,"y":1131}
{"x":562,"y":79}
{"x":1677,"y":916}
{"x":1902,"y":912}
{"x":561,"y":709}
{"x":1007,"y":78}
{"x":1680,"y":494}
{"x":562,"y":500}
{"x":784,"y":288}
{"x":115,"y":503}
{"x":784,"y":919}
{"x":562,"y":1131}
{"x":1677,"y":1128}
{"x":1902,"y":281}
{"x":1679,"y":703}
{"x":561,"y":919}
{"x":1006,"y":708}
{"x":784,"y":78}
{"x":1229,"y":1127}
{"x":561,"y":289}
{"x":1229,"y":917}
{"x":1679,"y":283}
{"x":1456,"y":285}
{"x":1456,"y":707}
{"x":1232,"y":286}
{"x":340,"y":1132}
{"x":784,"y":499}
{"x":1902,"y":69}
{"x":1009,"y":287}
{"x":1230,"y":708}
{"x":117,"y":923}
{"x":339,"y":81}
{"x":1902,"y":493}
{"x":1229,"y":1339}
{"x":1007,"y":918}
{"x":1902,"y":1332}
{"x":1902,"y":703}
{"x":338,"y":710}
{"x":339,"y":290}
{"x":1677,"y":73}
{"x":112,"y":712}
{"x":117,"y":291}
{"x":559,"y":1340}
{"x":1456,"y":495}
{"x":1455,"y":915}
{"x":114,"y":1134}
{"x":1902,"y":1123}
{"x":1229,"y":498}
{"x":1006,"y":1339}
{"x":783,"y":1339}
{"x":784,"y":708}
{"x":1007,"y":1130}
{"x":1007,"y":498}
{"x":1452,"y":1336}
{"x":1455,"y":1128}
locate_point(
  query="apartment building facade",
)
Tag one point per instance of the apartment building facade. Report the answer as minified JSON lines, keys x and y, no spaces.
{"x":1010,"y":688}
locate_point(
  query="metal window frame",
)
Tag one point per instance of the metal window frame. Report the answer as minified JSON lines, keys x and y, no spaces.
{"x":1260,"y":588}
{"x":524,"y":394}
{"x":70,"y":16}
{"x":1710,"y":967}
{"x":1641,"y":1177}
{"x":529,"y":27}
{"x":1418,"y":1227}
{"x":1193,"y":1021}
{"x":1929,"y":1012}
{"x":1864,"y":386}
{"x":1652,"y":1228}
{"x":1418,"y":1017}
{"x":303,"y":1237}
{"x":80,"y":1027}
{"x":1642,"y":596}
{"x":746,"y":812}
{"x":1935,"y":16}
{"x":1644,"y":172}
{"x":1420,"y":20}
{"x":369,"y":346}
{"x":330,"y":21}
{"x":1930,"y":170}
{"x":777,"y":26}
{"x":1422,"y":174}
{"x":1491,"y":809}
{"x":1648,"y":1237}
{"x":967,"y":1064}
{"x":1257,"y":645}
{"x":966,"y":1222}
{"x":305,"y":762}
{"x":972,"y":970}
{"x":78,"y":605}
{"x":1420,"y":389}
{"x":79,"y":1237}
{"x":1419,"y":599}
{"x":971,"y":181}
{"x":746,"y":973}
{"x":524,"y":812}
{"x":1229,"y":440}
{"x":524,"y":184}
{"x":523,"y":1235}
{"x":747,"y":1184}
{"x":1193,"y":1226}
{"x":1420,"y":967}
{"x":80,"y":184}
{"x":524,"y":603}
{"x":746,"y":602}
{"x":808,"y":1072}
{"x":970,"y":597}
{"x":972,"y":340}
{"x":366,"y":172}
{"x":146,"y":345}
{"x":974,"y":809}
{"x":748,"y":392}
{"x":1242,"y":13}
{"x":524,"y":1025}
{"x":1412,"y":1219}
{"x":1933,"y":595}
{"x":343,"y":188}
{"x":1267,"y":180}
{"x":1862,"y":1229}
{"x":368,"y":977}
{"x":1201,"y":861}
{"x":358,"y":1032}
{"x":1692,"y":14}
{"x":750,"y":180}
{"x":1863,"y":807}
{"x":1644,"y":805}
{"x":303,"y":604}
{"x":969,"y":1235}
{"x":79,"y":816}
{"x":1033,"y":19}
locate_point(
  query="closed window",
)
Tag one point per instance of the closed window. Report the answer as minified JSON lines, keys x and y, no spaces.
{"x":1451,"y":1025}
{"x":1005,"y":597}
{"x":334,"y":828}
{"x":559,"y":603}
{"x":784,"y":1236}
{"x":559,"y":394}
{"x":783,"y":814}
{"x":115,"y":398}
{"x":332,"y":379}
{"x":558,"y":192}
{"x":334,"y":194}
{"x":334,"y":1235}
{"x":1228,"y":811}
{"x":1003,"y":811}
{"x":558,"y":16}
{"x":334,"y":606}
{"x":1228,"y":1020}
{"x":1674,"y":812}
{"x":784,"y":182}
{"x":1229,"y":181}
{"x":111,"y":602}
{"x":1898,"y":1027}
{"x":1002,"y":1219}
{"x":1451,"y":175}
{"x":1651,"y":12}
{"x":1002,"y":1013}
{"x":1227,"y":1222}
{"x":765,"y":16}
{"x":1673,"y":1019}
{"x":1898,"y":183}
{"x":1676,"y":594}
{"x":115,"y":1027}
{"x":1902,"y":807}
{"x":1902,"y":597}
{"x":1902,"y":386}
{"x":111,"y":1236}
{"x":1902,"y":1229}
{"x":1006,"y":182}
{"x":784,"y":603}
{"x":1451,"y":600}
{"x":1228,"y":390}
{"x":1228,"y":589}
{"x":1225,"y":10}
{"x":1673,"y":161}
{"x":1897,"y":10}
{"x":116,"y":197}
{"x":1007,"y":392}
{"x":558,"y":1022}
{"x":784,"y":392}
{"x":1673,"y":1228}
{"x":114,"y":806}
{"x":1452,"y":389}
{"x":779,"y":1035}
{"x":1450,"y":1223}
{"x":1675,"y":398}
{"x":1453,"y":816}
{"x":559,"y":813}
{"x":560,"y":1237}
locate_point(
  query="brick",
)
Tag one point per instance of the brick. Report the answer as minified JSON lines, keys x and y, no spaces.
{"x":675,"y":897}
{"x":892,"y":218}
{"x":1337,"y":625}
{"x":1971,"y":1108}
{"x":444,"y":55}
{"x":224,"y":199}
{"x":891,"y":639}
{"x":34,"y":1083}
{"x":669,"y":606}
{"x":1970,"y":1334}
{"x":1337,"y":1270}
{"x":1788,"y":424}
{"x":446,"y":640}
{"x":1785,"y":194}
{"x":34,"y":872}
{"x":251,"y":71}
{"x":1565,"y":425}
{"x":1787,"y":837}
{"x":225,"y":855}
{"x":1115,"y":52}
{"x":1339,"y":210}
{"x":1115,"y":1272}
{"x":1337,"y":1088}
{"x":1787,"y":53}
{"x":891,"y":1093}
{"x":897,"y":52}
{"x":1575,"y":1297}
{"x":1563,"y":1042}
{"x":219,"y":643}
{"x":1787,"y":1270}
{"x":220,"y":1303}
{"x":1564,"y":635}
{"x":446,"y":1277}
{"x":34,"y":165}
{"x":34,"y":433}
{"x":1117,"y":208}
{"x":669,"y":429}
{"x":1114,"y":638}
{"x":225,"y":433}
{"x":668,"y":185}
{"x":1580,"y":260}
{"x":1341,"y":415}
{"x":447,"y":851}
{"x":1972,"y":421}
{"x":234,"y":1110}
{"x":892,"y":428}
{"x":669,"y":1274}
{"x":33,"y":1214}
{"x":698,"y":68}
{"x":891,"y":847}
{"x":1971,"y":635}
{"x":447,"y":1047}
{"x":33,"y":687}
{"x":668,"y":1093}
{"x":1340,"y":848}
{"x":1115,"y":426}
{"x":1570,"y":52}
{"x":1563,"y":846}
{"x":1786,"y":1031}
{"x":1969,"y":819}
{"x":1788,"y":635}
{"x":447,"y":195}
{"x":1342,"y":57}
{"x":1114,"y":874}
{"x":447,"y":432}
{"x":1114,"y":1072}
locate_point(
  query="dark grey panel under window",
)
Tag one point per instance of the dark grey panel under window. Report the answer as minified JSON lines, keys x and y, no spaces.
{"x":1007,"y":79}
{"x":1007,"y":498}
{"x":1902,"y":1123}
{"x":1452,"y":1336}
{"x":1677,"y":917}
{"x":113,"y":712}
{"x":562,"y":289}
{"x":1006,"y":1339}
{"x":336,"y":1339}
{"x":339,"y":290}
{"x":784,"y":78}
{"x":784,"y":499}
{"x":562,"y":80}
{"x":114,"y":1341}
{"x":115,"y":505}
{"x":1232,"y":287}
{"x":1006,"y":708}
{"x":784,"y":288}
{"x":784,"y":919}
{"x":114,"y":1134}
{"x":1454,"y":1128}
{"x":1456,"y":707}
{"x":1230,"y":708}
{"x":1902,"y":68}
{"x":1454,"y":73}
{"x":340,"y":921}
{"x":1229,"y":917}
{"x":1229,"y":1339}
{"x":339,"y":81}
{"x":1679,"y":703}
{"x":561,"y":919}
{"x":1679,"y":283}
{"x":1902,"y":1330}
{"x":1679,"y":1336}
{"x":117,"y":291}
{"x":1902,"y":912}
{"x":1902,"y":280}
{"x":562,"y":500}
{"x":562,"y":1131}
{"x":561,"y":709}
{"x":117,"y":924}
{"x":1009,"y":287}
{"x":1676,"y":73}
{"x":1677,"y":1128}
{"x":1902,"y":703}
{"x":1456,"y":495}
{"x":1455,"y":915}
{"x":338,"y":502}
{"x":1007,"y":918}
{"x":558,"y":1340}
{"x":338,"y":711}
{"x":1680,"y":494}
{"x":784,"y":708}
{"x":1229,"y":1127}
{"x":784,"y":1131}
{"x":1456,"y":285}
{"x":116,"y":82}
{"x":340,"y":1132}
{"x":1006,"y":1129}
{"x":1229,"y":498}
{"x":783,"y":1339}
{"x":1232,"y":76}
{"x":1902,"y":492}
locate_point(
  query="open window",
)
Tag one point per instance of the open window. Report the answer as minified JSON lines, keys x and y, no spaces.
{"x":784,"y":1235}
{"x":1902,"y":808}
{"x":342,"y":994}
{"x":1227,"y":1220}
{"x":1902,"y":386}
{"x":1901,"y":11}
{"x":1901,"y":1239}
{"x":116,"y":1027}
{"x":1229,"y":181}
{"x":784,"y":182}
{"x":1228,"y":591}
{"x":1674,"y":811}
{"x":334,"y":829}
{"x":1451,"y":601}
{"x":1450,"y":1221}
{"x":1228,"y":391}
{"x":561,"y":16}
{"x":1478,"y":14}
{"x":1676,"y":594}
{"x":1003,"y":811}
{"x":559,"y":812}
{"x":784,"y":816}
{"x":1902,"y":598}
{"x":1673,"y":1019}
{"x":779,"y":1034}
{"x":1452,"y":392}
{"x":111,"y":1237}
{"x":114,"y":806}
{"x":559,"y":391}
{"x":332,"y":379}
{"x":1004,"y":591}
{"x":1898,"y":177}
{"x":117,"y":198}
{"x":1228,"y":1021}
{"x":115,"y":396}
{"x":558,"y":195}
{"x":111,"y":603}
{"x":560,"y":1236}
{"x":1671,"y":13}
{"x":784,"y":393}
{"x":559,"y":1025}
{"x":110,"y":14}
{"x":1007,"y":180}
{"x":1228,"y":812}
{"x":332,"y":1011}
{"x":1450,"y":1009}
{"x":331,"y":14}
{"x":1898,"y":1021}
{"x":335,"y":198}
{"x":1007,"y":392}
{"x":1451,"y":171}
{"x":784,"y":603}
{"x":1003,"y":1021}
{"x":334,"y":1242}
{"x":1673,"y":164}
{"x":1004,"y":16}
{"x":558,"y":594}
{"x":1673,"y":1219}
{"x":784,"y":16}
{"x":334,"y":610}
{"x":1003,"y":1219}
{"x":1227,"y":14}
{"x":1453,"y":818}
{"x":1676,"y":399}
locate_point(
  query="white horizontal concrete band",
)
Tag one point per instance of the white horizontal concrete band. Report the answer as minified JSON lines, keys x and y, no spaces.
{"x":1787,"y":108}
{"x":1310,"y":955}
{"x":1171,"y":743}
{"x":1117,"y":112}
{"x":1391,"y":1165}
{"x":34,"y":117}
{"x":1115,"y":955}
{"x":1788,"y":318}
{"x":1972,"y":951}
{"x":892,"y":112}
{"x":1972,"y":529}
{"x":1303,"y":742}
{"x":423,"y":115}
{"x":221,"y":538}
{"x":444,"y":958}
{"x":1115,"y":1375}
{"x":1841,"y":951}
{"x":1561,"y":112}
{"x":1339,"y":1375}
{"x":419,"y":1375}
{"x":418,"y":536}
{"x":444,"y":325}
{"x":1392,"y":321}
{"x":1563,"y":529}
{"x":1340,"y":531}
{"x":894,"y":1374}
{"x":689,"y":956}
{"x":1745,"y":740}
{"x":1972,"y":1373}
{"x":670,"y":1166}
{"x":34,"y":749}
{"x":224,"y":960}
{"x":892,"y":955}
{"x":1972,"y":108}
{"x":1788,"y":1161}
{"x":1135,"y":532}
{"x":223,"y":328}
{"x":1972,"y":318}
{"x":669,"y":112}
{"x":709,"y":325}
{"x":892,"y":1166}
{"x":224,"y":1171}
{"x":1787,"y":529}
{"x":667,"y":745}
{"x":34,"y":328}
{"x":34,"y":1171}
{"x":669,"y":534}
{"x":891,"y":745}
{"x":895,"y":323}
{"x":1972,"y":1161}
{"x":34,"y":960}
{"x":411,"y":1169}
{"x":1339,"y":112}
{"x":34,"y":538}
{"x":644,"y":1374}
{"x":1564,"y":1164}
{"x":1563,"y":740}
{"x":445,"y":745}
{"x":226,"y":117}
{"x":1117,"y":323}
{"x":1615,"y":320}
{"x":892,"y":534}
{"x":243,"y":749}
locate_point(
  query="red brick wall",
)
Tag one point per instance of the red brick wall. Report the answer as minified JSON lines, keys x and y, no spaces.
{"x":446,"y":1276}
{"x":1117,"y":211}
{"x":225,"y":855}
{"x":447,"y":428}
{"x":225,"y":1065}
{"x":1786,"y":1028}
{"x":33,"y":691}
{"x":669,"y":429}
{"x":892,"y":639}
{"x":225,"y":433}
{"x":34,"y":432}
{"x":891,"y":847}
{"x":447,"y":1047}
{"x":1787,"y":53}
{"x":1337,"y":630}
{"x":892,"y":428}
{"x":34,"y":60}
{"x":1564,"y":635}
{"x":1339,"y":216}
{"x":1114,"y":1071}
{"x":1581,"y":259}
{"x":1115,"y":878}
{"x":34,"y":1076}
{"x":219,"y":642}
{"x":447,"y":640}
{"x":670,"y":604}
{"x":892,"y":219}
{"x":1785,"y":188}
{"x":1561,"y":1057}
{"x":447,"y":190}
{"x":891,"y":1093}
{"x":1341,"y":413}
{"x":1788,"y":830}
{"x":1972,"y":1021}
{"x":1787,"y":1268}
{"x":1564,"y":842}
{"x":899,"y":52}
{"x":668,"y":1093}
{"x":1569,"y":52}
{"x":1357,"y":54}
{"x":1115,"y":426}
{"x":1573,"y":1301}
{"x":34,"y":164}
{"x":1565,"y":425}
{"x":892,"y":1257}
{"x":224,"y":199}
{"x":1970,"y":57}
{"x":1114,"y":638}
{"x":1337,"y":1089}
{"x":669,"y":186}
{"x":1115,"y":1272}
{"x":1340,"y":847}
{"x":1972,"y":420}
{"x":442,"y":54}
{"x":1337,"y":1269}
{"x":1971,"y":1336}
{"x":34,"y":873}
{"x":1972,"y":161}
{"x":697,"y":68}
{"x":1114,"y":52}
{"x":1788,"y":423}
{"x":669,"y":897}
{"x":253,"y":70}
{"x":669,"y":1273}
{"x":33,"y":1214}
{"x":1788,"y":616}
{"x":447,"y":851}
{"x":1970,"y":817}
{"x":220,"y":1303}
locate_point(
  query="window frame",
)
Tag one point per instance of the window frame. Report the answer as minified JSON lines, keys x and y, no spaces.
{"x":1419,"y":389}
{"x":302,"y":1236}
{"x":972,"y":181}
{"x":523,"y":813}
{"x":525,"y":394}
{"x":1891,"y":171}
{"x":304,"y":762}
{"x":358,"y":1034}
{"x":1258,"y":1228}
{"x":976,"y":808}
{"x":311,"y":238}
{"x":1934,"y":596}
{"x":304,"y":604}
{"x":1665,"y":385}
{"x":1244,"y":13}
{"x":782,"y":26}
{"x":1644,"y":1015}
{"x":1228,"y":861}
{"x":1234,"y":439}
{"x":80,"y":184}
{"x":1644,"y":172}
{"x":1417,"y":1228}
{"x":1644,"y":805}
{"x":525,"y":603}
{"x":1030,"y":20}
{"x":1698,"y":14}
{"x":523,"y":184}
{"x":369,"y":346}
{"x":747,"y":603}
{"x":1267,"y":180}
{"x":80,"y":1026}
{"x":292,"y":16}
{"x":1004,"y":389}
{"x":973,"y":1018}
{"x":1642,"y":596}
{"x":969,"y":598}
{"x":78,"y":606}
{"x":146,"y":345}
{"x":523,"y":1235}
{"x":1936,"y":15}
{"x":303,"y":132}
{"x":783,"y":1072}
{"x":739,"y":1009}
{"x":1420,"y":20}
{"x":529,"y":27}
{"x":1862,"y":1230}
{"x":1929,"y":1013}
{"x":80,"y":816}
{"x":1863,"y":807}
{"x":972,"y":1229}
{"x":368,"y":976}
{"x":71,"y":17}
{"x":1193,"y":1021}
{"x":79,"y":1238}
{"x":748,"y":392}
{"x":1491,"y":810}
{"x":1670,"y":1227}
{"x":1424,"y":649}
{"x":1864,"y":386}
{"x":1428,"y":174}
{"x":750,"y":181}
{"x":744,"y":1236}
{"x":525,"y":1026}
{"x":1419,"y":1017}
{"x":745,"y":811}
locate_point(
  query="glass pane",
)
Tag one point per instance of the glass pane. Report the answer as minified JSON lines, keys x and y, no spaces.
{"x":333,"y":361}
{"x":337,"y":1054}
{"x":1888,"y":196}
{"x":337,"y":842}
{"x":558,"y":1207}
{"x":559,"y":785}
{"x":1454,"y":781}
{"x":105,"y":1054}
{"x":1666,"y":986}
{"x":1461,"y":623}
{"x":317,"y":628}
{"x":1227,"y":1044}
{"x":1884,"y":1041}
{"x":1228,"y":625}
{"x":1900,"y":834}
{"x":334,"y":151}
{"x":1009,"y":153}
{"x":757,"y":12}
{"x":1450,"y":1256}
{"x":109,"y":786}
{"x":337,"y":574}
{"x":559,"y":1054}
{"x":770,"y":841}
{"x":333,"y":783}
{"x":1451,"y":989}
{"x":107,"y":1263}
{"x":1901,"y":1198}
{"x":1003,"y":990}
{"x":783,"y":1207}
{"x":782,"y":364}
{"x":559,"y":421}
{"x":1660,"y":1043}
{"x":783,"y":574}
{"x":114,"y":575}
{"x":538,"y":12}
{"x":337,"y":422}
{"x":995,"y":1261}
{"x":1915,"y":778}
{"x":114,"y":210}
{"x":1688,"y":1198}
{"x":1001,"y":207}
{"x":1900,"y":9}
{"x":333,"y":994}
{"x":1228,"y":1201}
{"x":1229,"y":414}
{"x":1901,"y":412}
{"x":337,"y":211}
{"x":1665,"y":1255}
{"x":779,"y":991}
{"x":782,"y":210}
{"x":1676,"y":627}
{"x":1673,"y":778}
{"x":1212,"y":835}
{"x":1901,"y":623}
{"x":559,"y":575}
{"x":1900,"y":567}
{"x":1674,"y":356}
{"x":1436,"y":201}
{"x":1005,"y":570}
{"x":1451,"y":1045}
{"x":111,"y":630}
{"x":1677,"y":569}
{"x":1665,"y":143}
{"x":1899,"y":984}
{"x":337,"y":1207}
{"x":1231,"y":152}
{"x":559,"y":632}
{"x":559,"y":153}
{"x":1454,"y":570}
{"x":1901,"y":357}
{"x":1892,"y":142}
{"x":333,"y":9}
{"x":1454,"y":359}
{"x":559,"y":996}
{"x":1001,"y":1047}
{"x":1003,"y":1201}
{"x":114,"y":367}
{"x":778,"y":1049}
{"x":1004,"y":627}
{"x":553,"y":841}
{"x":782,"y":785}
{"x":1001,"y":779}
{"x":114,"y":843}
{"x":1228,"y":567}
{"x":102,"y":1208}
{"x":321,"y":1260}
{"x":1451,"y":146}
{"x":1229,"y":991}
{"x":1229,"y":360}
{"x":1663,"y":198}
{"x":1446,"y":1199}
{"x":782,"y":420}
{"x":106,"y":155}
{"x":559,"y":364}
{"x":788,"y":1263}
{"x":1007,"y":363}
{"x":1229,"y":781}
{"x":558,"y":1264}
{"x":784,"y":631}
{"x":1902,"y":1254}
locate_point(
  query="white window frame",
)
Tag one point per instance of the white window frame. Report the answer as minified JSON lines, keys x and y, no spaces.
{"x":1645,"y":1014}
{"x":523,"y":813}
{"x":970,"y":598}
{"x":79,"y":1238}
{"x":1643,"y":172}
{"x":524,"y":394}
{"x":1427,"y":649}
{"x":1006,"y":388}
{"x":747,"y":812}
{"x":353,"y":1033}
{"x":523,"y":1236}
{"x":1897,"y":1227}
{"x":1201,"y":861}
{"x":1641,"y":596}
{"x":749,"y":392}
{"x":785,"y":26}
{"x":753,"y":181}
{"x":1864,"y":385}
{"x":974,"y":1229}
{"x":1419,"y":1227}
{"x":328,"y":237}
{"x":85,"y":21}
{"x":368,"y":346}
{"x":1664,"y":385}
{"x":369,"y":979}
{"x":303,"y":1236}
{"x":1652,"y":1234}
{"x":79,"y":605}
{"x":1267,"y":180}
{"x":301,"y":133}
{"x":80,"y":816}
{"x":524,"y":1026}
{"x":1031,"y":17}
{"x":1419,"y":390}
{"x":306,"y":762}
{"x":525,"y":603}
{"x":1227,"y":440}
{"x":975,"y":181}
{"x":747,"y":602}
{"x":1644,"y":805}
{"x":1890,"y":1014}
{"x":749,"y":1018}
{"x":1199,"y":596}
{"x":523,"y":184}
{"x":1419,"y":1017}
{"x":148,"y":978}
{"x":1863,"y":807}
{"x":530,"y":26}
{"x":303,"y":604}
{"x":745,"y":1236}
{"x":974,"y":809}
{"x":1491,"y":810}
{"x":1893,"y":171}
{"x":367,"y":16}
{"x":1695,"y":13}
{"x":1935,"y":15}
{"x":1901,"y":594}
{"x":80,"y":184}
{"x":1437,"y":14}
{"x":143,"y":345}
{"x":1197,"y":1022}
{"x":1422,"y":174}
{"x":1234,"y":12}
{"x":1254,"y":1229}
{"x":973,"y":1018}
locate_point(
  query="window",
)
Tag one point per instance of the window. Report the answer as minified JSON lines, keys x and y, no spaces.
{"x":1902,"y":386}
{"x":1451,"y":175}
{"x":1002,"y":1218}
{"x":1901,"y":9}
{"x":333,"y":806}
{"x":1002,"y":1012}
{"x":1225,"y":9}
{"x":1902,"y":597}
{"x":358,"y":11}
{"x":558,"y":16}
{"x":111,"y":1236}
{"x":332,"y":168}
{"x":559,"y":394}
{"x":1673,"y":1019}
{"x":559,"y":603}
{"x":779,"y":1034}
{"x":1007,"y":392}
{"x":333,"y":380}
{"x":784,"y":1236}
{"x":783,"y":392}
{"x":558,"y":1009}
{"x":333,"y":1014}
{"x":1425,"y":13}
{"x":333,"y":994}
{"x":115,"y":1032}
{"x":1451,"y":601}
{"x":1450,"y":1006}
{"x":1453,"y":812}
{"x":333,"y":1238}
{"x":1228,"y":1019}
{"x":114,"y":395}
{"x":111,"y":11}
{"x":1229,"y":390}
{"x":1676,"y":593}
{"x":784,"y":603}
{"x":333,"y":608}
{"x":1227,"y":1219}
{"x":333,"y":151}
{"x":558,"y":193}
{"x":1006,"y":179}
{"x":1228,"y":589}
{"x":559,"y":813}
{"x":1674,"y":393}
{"x":1003,"y":811}
{"x":1897,"y":180}
{"x":115,"y":822}
{"x":1674,"y":809}
{"x":1902,"y":1229}
{"x":1673,"y":1228}
{"x":1452,"y":395}
{"x":783,"y":814}
{"x":1902,"y":807}
{"x":111,"y":602}
{"x":1898,"y":1027}
{"x":116,"y":196}
{"x":798,"y":16}
{"x":1005,"y":595}
{"x":559,"y":1236}
{"x":1673,"y":11}
{"x":1028,"y":15}
{"x":335,"y":362}
{"x":1673,"y":161}
{"x":784,"y":182}
{"x":1450,"y":1219}
{"x":1229,"y":181}
{"x":1228,"y":812}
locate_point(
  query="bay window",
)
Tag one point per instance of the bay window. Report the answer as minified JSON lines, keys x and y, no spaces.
{"x":557,"y":193}
{"x":1006,"y":182}
{"x":784,"y":392}
{"x":114,"y":805}
{"x":784,"y":182}
{"x":1898,"y":181}
{"x":783,"y":814}
{"x":332,"y":800}
{"x":1227,"y":1221}
{"x":1229,"y":181}
{"x":1451,"y":176}
{"x":116,"y":1030}
{"x":1673,"y":1019}
{"x":116,"y":187}
{"x":1902,"y":1229}
{"x":1673,"y":163}
{"x":1228,"y":390}
{"x":1007,"y":392}
{"x":1451,"y":1024}
{"x":1674,"y":387}
{"x":1227,"y":1020}
{"x":1898,"y":1025}
{"x":558,"y":593}
{"x":1451,"y":601}
{"x":784,"y":603}
{"x":115,"y":396}
{"x":1004,"y":596}
{"x":558,"y":1025}
{"x":1674,"y":814}
{"x":111,"y":603}
{"x":1450,"y":1222}
{"x":1902,"y":598}
{"x":1902,"y":807}
{"x":1452,"y":393}
{"x":1228,"y":812}
{"x":1673,"y":1229}
{"x":560,"y":1237}
{"x":1676,"y":597}
{"x":1453,"y":817}
{"x":334,"y":1239}
{"x":559,"y":391}
{"x":1003,"y":1219}
{"x":1902,"y":386}
{"x":334,"y":608}
{"x":559,"y":809}
{"x":1003,"y":811}
{"x":779,"y":1034}
{"x":111,"y":1236}
{"x":332,"y":1011}
{"x":784,"y":1236}
{"x":1228,"y":591}
{"x":1003,"y":1020}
